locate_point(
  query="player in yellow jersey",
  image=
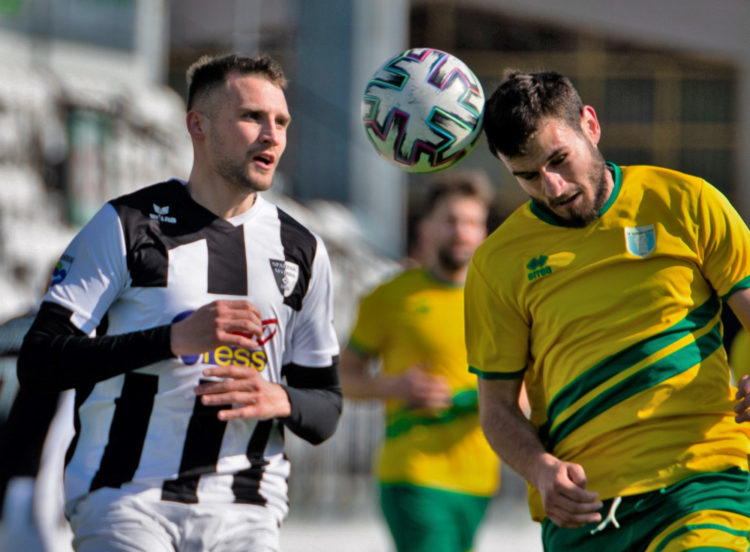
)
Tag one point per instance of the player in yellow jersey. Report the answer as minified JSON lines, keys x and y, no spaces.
{"x":603,"y":294}
{"x":437,"y":472}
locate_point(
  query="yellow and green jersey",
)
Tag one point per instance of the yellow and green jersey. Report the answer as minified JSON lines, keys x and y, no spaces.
{"x":616,"y":329}
{"x":413,"y":320}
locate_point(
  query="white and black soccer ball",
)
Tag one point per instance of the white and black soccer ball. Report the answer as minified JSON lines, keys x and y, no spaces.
{"x":423,"y":110}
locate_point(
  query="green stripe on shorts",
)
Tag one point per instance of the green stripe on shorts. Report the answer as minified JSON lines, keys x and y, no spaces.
{"x":644,"y":516}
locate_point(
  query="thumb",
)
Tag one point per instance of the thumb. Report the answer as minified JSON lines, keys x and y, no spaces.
{"x":577,"y":475}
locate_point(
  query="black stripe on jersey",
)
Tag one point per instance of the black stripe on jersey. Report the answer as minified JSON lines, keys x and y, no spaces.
{"x":127,"y":433}
{"x":299,"y":247}
{"x":199,"y":455}
{"x":227,"y":267}
{"x":164,"y":216}
{"x":246,"y":483}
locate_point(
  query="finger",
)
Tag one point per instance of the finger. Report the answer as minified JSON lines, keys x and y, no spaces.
{"x":573,"y":521}
{"x":236,"y":304}
{"x":230,"y":398}
{"x":248,"y":340}
{"x":241,"y":374}
{"x":579,"y":492}
{"x":257,"y":411}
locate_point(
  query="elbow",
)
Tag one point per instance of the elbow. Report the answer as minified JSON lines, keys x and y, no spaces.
{"x":315,"y":413}
{"x":30,"y":368}
{"x":25,"y":371}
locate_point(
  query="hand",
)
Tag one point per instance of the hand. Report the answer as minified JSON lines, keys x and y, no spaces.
{"x":743,"y":395}
{"x":420,"y":388}
{"x":566,"y":501}
{"x":249,"y":393}
{"x":223,"y":322}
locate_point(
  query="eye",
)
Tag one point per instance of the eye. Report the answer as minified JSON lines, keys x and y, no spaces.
{"x":559,"y":160}
{"x":529,"y":176}
{"x":282,"y":122}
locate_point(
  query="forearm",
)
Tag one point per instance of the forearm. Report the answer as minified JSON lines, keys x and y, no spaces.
{"x":514,"y":438}
{"x":316,"y":401}
{"x":56,"y":355}
{"x":356,"y":380}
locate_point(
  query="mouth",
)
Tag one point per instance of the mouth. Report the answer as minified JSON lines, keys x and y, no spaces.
{"x":564,"y":202}
{"x":265,"y":160}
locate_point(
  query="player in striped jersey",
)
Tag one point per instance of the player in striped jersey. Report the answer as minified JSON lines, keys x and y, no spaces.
{"x":194,"y":320}
{"x":604,"y":294}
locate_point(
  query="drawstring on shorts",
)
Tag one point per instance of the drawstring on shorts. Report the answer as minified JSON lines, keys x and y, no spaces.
{"x":610,"y":517}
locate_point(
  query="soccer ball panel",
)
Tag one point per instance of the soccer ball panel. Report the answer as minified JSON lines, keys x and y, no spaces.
{"x":422,"y":110}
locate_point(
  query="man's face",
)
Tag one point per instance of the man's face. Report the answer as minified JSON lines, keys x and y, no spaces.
{"x":245,"y":126}
{"x":453,"y":231}
{"x":563,"y":171}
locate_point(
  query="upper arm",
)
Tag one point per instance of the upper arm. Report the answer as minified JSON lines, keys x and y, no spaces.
{"x":314,"y":342}
{"x":499,"y":398}
{"x":354,"y":363}
{"x":499,"y":392}
{"x":92,"y":271}
{"x":739,"y":302}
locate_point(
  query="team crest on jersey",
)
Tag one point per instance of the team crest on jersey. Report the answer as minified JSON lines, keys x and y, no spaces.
{"x":61,"y":269}
{"x":286,"y":274}
{"x":162,"y":214}
{"x":640,"y":240}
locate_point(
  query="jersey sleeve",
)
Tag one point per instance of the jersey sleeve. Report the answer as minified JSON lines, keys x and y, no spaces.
{"x":368,"y":334}
{"x":92,"y":271}
{"x":497,"y":333}
{"x":724,"y":240}
{"x":314,"y":342}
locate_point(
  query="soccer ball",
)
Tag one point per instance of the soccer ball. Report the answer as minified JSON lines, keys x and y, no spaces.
{"x":423,"y":110}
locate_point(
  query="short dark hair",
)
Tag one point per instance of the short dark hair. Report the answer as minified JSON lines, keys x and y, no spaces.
{"x":521,"y":101}
{"x":210,"y":71}
{"x":472,"y":184}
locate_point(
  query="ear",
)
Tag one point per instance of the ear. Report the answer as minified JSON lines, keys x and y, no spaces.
{"x":590,"y":125}
{"x":195,"y":122}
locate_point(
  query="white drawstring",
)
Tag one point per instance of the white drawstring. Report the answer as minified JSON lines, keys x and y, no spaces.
{"x":610,"y":517}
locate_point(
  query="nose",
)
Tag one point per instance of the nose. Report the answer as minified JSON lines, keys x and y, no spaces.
{"x":271,"y":133}
{"x":553,"y":185}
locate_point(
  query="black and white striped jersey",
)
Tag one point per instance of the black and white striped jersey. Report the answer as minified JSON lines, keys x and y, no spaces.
{"x":145,"y":260}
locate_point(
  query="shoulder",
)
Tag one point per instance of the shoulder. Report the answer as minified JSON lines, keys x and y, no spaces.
{"x":144,"y":197}
{"x":404,"y":282}
{"x":661,"y":180}
{"x":296,"y":238}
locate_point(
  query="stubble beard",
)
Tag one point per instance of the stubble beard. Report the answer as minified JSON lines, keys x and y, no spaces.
{"x":597,"y":175}
{"x":449,"y":262}
{"x":236,"y":174}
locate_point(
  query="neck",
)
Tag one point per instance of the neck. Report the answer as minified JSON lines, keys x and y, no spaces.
{"x":219,"y":196}
{"x":454,"y":277}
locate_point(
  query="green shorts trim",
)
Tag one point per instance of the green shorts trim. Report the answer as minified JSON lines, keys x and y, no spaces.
{"x":422,"y":519}
{"x":644,"y":518}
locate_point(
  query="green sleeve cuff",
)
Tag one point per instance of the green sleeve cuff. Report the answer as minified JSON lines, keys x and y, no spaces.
{"x":497,"y":375}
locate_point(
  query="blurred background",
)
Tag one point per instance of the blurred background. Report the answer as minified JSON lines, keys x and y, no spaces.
{"x":92,"y":106}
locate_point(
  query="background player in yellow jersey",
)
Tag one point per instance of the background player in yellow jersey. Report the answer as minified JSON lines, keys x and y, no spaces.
{"x":604,"y":294}
{"x":437,"y":471}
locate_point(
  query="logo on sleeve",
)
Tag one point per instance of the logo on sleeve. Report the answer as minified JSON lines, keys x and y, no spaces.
{"x":162,"y":214}
{"x":286,"y":274}
{"x":537,"y":267}
{"x":61,"y":269}
{"x":640,"y":240}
